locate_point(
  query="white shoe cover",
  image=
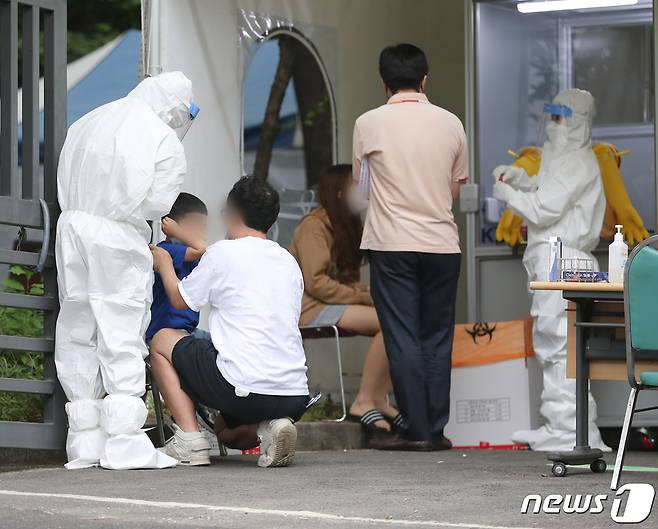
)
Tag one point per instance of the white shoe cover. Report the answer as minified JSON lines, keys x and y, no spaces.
{"x":85,"y":439}
{"x":127,"y":451}
{"x":123,"y":414}
{"x":84,"y":448}
{"x":546,"y":439}
{"x":84,"y":414}
{"x":122,"y":417}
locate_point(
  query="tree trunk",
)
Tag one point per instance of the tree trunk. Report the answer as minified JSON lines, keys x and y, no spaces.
{"x":314,"y":111}
{"x":270,"y":127}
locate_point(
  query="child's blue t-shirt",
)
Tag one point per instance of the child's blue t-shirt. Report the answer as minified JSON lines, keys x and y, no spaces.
{"x":163,"y":314}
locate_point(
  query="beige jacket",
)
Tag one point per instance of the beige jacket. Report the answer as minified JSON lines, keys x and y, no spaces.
{"x":311,"y":246}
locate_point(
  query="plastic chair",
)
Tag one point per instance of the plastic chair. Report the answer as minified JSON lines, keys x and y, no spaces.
{"x":313,"y":332}
{"x":640,"y":308}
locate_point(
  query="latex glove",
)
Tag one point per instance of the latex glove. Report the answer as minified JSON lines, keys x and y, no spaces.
{"x":510,"y":175}
{"x":509,"y":228}
{"x":509,"y":225}
{"x":503,"y":191}
{"x":617,"y":196}
{"x":633,"y":229}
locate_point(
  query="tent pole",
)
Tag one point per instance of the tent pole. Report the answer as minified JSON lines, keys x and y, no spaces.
{"x":152,"y":22}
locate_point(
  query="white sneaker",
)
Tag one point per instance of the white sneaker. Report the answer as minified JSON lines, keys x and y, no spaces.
{"x":207,"y":417}
{"x":189,"y":448}
{"x":277,"y":443}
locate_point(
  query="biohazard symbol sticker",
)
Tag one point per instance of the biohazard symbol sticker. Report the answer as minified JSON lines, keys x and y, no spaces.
{"x":480,"y":330}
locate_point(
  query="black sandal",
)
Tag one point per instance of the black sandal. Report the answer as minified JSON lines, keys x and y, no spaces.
{"x":396,"y":422}
{"x":368,"y":419}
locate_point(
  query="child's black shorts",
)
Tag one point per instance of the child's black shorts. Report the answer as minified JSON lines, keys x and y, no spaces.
{"x":195,"y":362}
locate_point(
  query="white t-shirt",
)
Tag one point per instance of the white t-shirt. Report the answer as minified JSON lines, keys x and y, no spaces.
{"x":254,"y":288}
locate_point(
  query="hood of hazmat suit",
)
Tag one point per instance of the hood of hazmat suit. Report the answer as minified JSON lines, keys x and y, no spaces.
{"x":121,"y":165}
{"x":566,"y":200}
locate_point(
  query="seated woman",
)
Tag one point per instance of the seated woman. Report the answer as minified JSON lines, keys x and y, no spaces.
{"x":326,"y":246}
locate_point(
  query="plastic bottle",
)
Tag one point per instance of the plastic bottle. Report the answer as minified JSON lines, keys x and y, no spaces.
{"x":617,"y":255}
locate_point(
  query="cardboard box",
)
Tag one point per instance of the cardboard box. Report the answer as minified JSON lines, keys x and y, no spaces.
{"x":489,"y":402}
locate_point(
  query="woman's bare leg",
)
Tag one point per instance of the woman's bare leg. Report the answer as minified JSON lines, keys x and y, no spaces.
{"x":375,"y":378}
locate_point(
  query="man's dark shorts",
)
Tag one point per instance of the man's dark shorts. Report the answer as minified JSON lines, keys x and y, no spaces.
{"x":195,"y":362}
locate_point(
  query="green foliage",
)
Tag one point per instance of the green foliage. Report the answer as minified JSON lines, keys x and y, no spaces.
{"x":19,"y":406}
{"x":311,"y":118}
{"x":23,"y":280}
{"x":324,"y":410}
{"x":21,"y":322}
{"x":14,"y":364}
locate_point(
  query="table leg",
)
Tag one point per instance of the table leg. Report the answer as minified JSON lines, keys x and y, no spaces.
{"x":583,"y":312}
{"x":582,"y":454}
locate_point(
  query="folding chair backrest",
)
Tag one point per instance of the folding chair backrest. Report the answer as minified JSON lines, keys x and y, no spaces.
{"x":642,"y":292}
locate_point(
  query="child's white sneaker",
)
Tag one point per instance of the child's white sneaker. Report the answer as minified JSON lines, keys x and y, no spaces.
{"x":278,"y":439}
{"x":189,"y":448}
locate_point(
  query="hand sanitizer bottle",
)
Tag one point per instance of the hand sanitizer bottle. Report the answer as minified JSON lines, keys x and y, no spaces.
{"x":617,"y":255}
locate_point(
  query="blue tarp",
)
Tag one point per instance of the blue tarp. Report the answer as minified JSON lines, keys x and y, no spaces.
{"x":118,"y":73}
{"x":115,"y":76}
{"x":112,"y":78}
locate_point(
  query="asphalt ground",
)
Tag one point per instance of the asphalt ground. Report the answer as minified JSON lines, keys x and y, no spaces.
{"x":360,"y":488}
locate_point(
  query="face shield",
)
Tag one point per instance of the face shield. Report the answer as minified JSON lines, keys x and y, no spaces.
{"x":553,"y":127}
{"x":183,"y":125}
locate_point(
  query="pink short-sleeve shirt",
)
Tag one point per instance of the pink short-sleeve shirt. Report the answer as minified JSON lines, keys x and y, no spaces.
{"x":416,"y":151}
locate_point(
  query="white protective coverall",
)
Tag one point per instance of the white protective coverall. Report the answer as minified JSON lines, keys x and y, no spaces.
{"x":121,"y":164}
{"x":565,"y":199}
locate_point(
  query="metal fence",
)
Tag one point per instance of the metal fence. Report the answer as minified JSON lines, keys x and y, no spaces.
{"x":28,"y":193}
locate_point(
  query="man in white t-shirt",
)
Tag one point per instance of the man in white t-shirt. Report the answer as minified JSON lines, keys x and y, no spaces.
{"x":254,"y":370}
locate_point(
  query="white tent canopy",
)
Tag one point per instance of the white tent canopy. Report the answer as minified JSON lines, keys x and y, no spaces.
{"x":209,"y":40}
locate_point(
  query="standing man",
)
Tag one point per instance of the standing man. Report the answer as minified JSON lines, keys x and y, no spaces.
{"x":415,"y":156}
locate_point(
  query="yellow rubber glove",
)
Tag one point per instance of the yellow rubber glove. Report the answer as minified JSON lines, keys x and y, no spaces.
{"x":616,"y":195}
{"x":509,"y":225}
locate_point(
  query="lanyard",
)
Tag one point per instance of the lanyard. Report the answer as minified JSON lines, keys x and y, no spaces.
{"x":408,"y":101}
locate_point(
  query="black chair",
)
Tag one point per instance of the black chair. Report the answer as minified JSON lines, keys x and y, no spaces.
{"x":151,"y":385}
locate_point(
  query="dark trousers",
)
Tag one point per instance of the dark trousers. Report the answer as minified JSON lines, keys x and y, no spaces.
{"x":414,"y":294}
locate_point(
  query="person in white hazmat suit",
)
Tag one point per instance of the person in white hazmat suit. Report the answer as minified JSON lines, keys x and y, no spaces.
{"x":565,"y":199}
{"x":121,"y":164}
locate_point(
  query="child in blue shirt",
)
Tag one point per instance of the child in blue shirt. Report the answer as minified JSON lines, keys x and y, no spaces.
{"x":185,"y":229}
